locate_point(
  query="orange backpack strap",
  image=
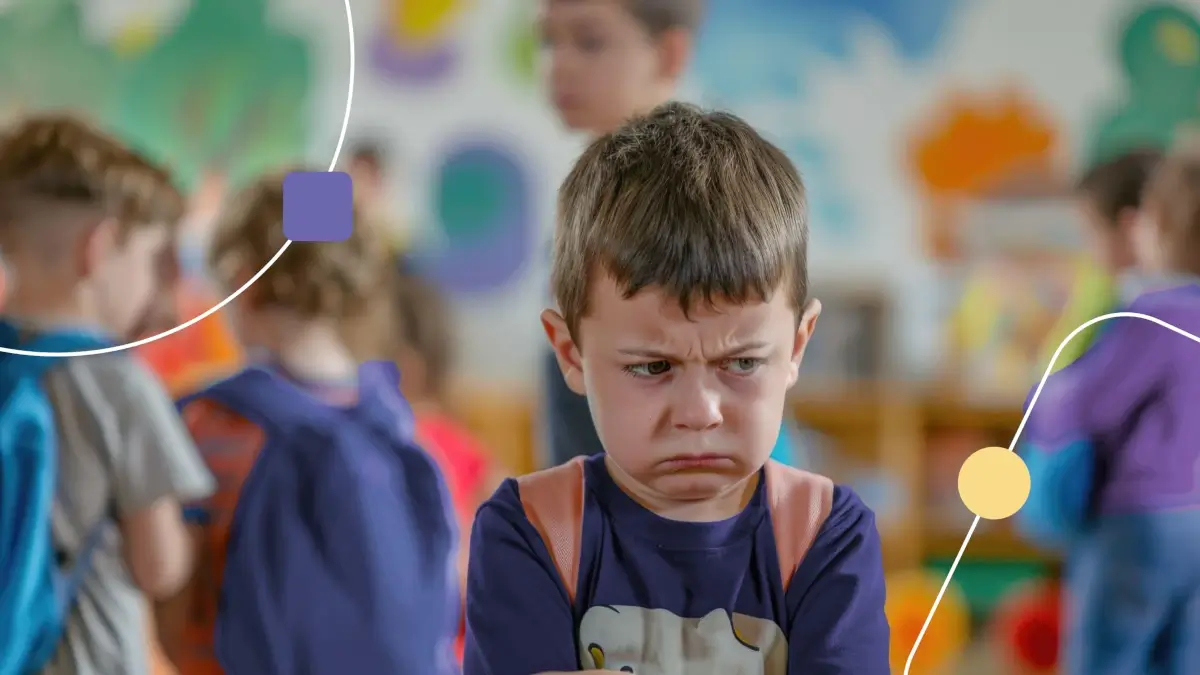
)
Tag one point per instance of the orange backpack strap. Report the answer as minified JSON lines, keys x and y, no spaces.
{"x":553,"y":503}
{"x":800,"y":502}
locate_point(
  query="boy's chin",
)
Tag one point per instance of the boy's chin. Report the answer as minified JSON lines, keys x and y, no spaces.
{"x":149,"y":326}
{"x":691,"y":486}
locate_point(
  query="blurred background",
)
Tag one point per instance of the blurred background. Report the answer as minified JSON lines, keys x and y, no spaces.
{"x":939,"y":140}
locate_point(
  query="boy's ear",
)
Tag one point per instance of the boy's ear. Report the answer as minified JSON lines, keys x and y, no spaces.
{"x":808,"y":323}
{"x":674,"y":52}
{"x":1126,"y":219}
{"x":98,"y":243}
{"x":565,"y":350}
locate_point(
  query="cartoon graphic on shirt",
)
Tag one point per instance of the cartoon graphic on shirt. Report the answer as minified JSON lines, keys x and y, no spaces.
{"x":657,"y":642}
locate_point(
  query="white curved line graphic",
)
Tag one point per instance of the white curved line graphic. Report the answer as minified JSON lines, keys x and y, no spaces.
{"x":1038,"y":392}
{"x":232,"y":296}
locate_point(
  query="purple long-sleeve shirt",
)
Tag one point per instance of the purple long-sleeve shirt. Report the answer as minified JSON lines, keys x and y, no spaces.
{"x":663,"y":596}
{"x":1130,"y":402}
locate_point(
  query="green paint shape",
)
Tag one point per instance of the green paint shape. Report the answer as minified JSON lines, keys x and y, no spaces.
{"x":1159,"y":52}
{"x":225,"y":90}
{"x":523,"y":47}
{"x":48,"y":63}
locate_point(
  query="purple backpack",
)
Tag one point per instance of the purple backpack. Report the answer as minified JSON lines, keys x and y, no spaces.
{"x":341,"y":549}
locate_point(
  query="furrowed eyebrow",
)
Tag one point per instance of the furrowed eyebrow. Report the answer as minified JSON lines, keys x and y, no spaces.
{"x":662,"y":356}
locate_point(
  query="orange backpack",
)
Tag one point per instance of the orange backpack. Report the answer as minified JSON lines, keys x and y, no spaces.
{"x":553,"y":500}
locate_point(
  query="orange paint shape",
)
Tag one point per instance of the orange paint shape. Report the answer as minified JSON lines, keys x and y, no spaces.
{"x":975,"y":142}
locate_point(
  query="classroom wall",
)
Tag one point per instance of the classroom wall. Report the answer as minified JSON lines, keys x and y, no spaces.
{"x":893,"y":109}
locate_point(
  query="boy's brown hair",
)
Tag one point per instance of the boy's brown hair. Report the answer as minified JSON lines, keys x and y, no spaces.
{"x":694,"y":203}
{"x":1173,"y":198}
{"x":1115,"y":186}
{"x":62,"y":161}
{"x":328,"y":280}
{"x":659,"y":16}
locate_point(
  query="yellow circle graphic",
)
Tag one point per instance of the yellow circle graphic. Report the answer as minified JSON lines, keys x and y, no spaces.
{"x":994,"y":483}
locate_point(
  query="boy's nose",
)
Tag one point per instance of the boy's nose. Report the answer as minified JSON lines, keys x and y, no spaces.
{"x":697,"y":409}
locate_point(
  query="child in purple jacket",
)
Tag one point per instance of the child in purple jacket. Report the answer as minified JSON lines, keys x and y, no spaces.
{"x":1113,"y":450}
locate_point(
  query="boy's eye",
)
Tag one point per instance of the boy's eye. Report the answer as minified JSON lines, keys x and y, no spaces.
{"x":651,"y":369}
{"x":589,"y":43}
{"x":742,"y":366}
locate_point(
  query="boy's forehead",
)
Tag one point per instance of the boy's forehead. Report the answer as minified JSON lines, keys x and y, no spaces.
{"x":652,"y":311}
{"x":583,"y":10}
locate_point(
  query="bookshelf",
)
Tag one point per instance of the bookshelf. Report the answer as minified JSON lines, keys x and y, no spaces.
{"x":917,"y":438}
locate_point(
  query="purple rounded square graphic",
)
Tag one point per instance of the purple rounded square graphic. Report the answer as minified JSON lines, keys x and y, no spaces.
{"x":318,"y":206}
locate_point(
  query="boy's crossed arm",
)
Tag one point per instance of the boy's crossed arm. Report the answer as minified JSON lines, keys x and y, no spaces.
{"x":519,"y":619}
{"x":835,"y":601}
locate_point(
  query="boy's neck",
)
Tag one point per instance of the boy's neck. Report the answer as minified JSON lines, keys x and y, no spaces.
{"x":49,"y":312}
{"x":315,"y":351}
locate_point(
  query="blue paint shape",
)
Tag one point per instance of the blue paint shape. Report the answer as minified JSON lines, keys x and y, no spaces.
{"x":483,"y":200}
{"x":831,"y":210}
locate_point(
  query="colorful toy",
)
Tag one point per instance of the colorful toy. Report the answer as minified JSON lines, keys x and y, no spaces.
{"x":910,"y":596}
{"x":1094,"y":294}
{"x":1027,"y":627}
{"x":1007,"y":309}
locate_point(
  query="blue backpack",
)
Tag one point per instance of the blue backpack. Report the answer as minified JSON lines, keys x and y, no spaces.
{"x":341,"y":548}
{"x":39,"y":587}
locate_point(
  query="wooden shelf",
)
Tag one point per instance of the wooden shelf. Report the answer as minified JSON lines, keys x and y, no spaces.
{"x":901,"y":424}
{"x":946,"y":410}
{"x":1000,"y":545}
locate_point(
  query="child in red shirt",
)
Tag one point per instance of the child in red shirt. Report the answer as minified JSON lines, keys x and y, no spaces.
{"x":424,"y":352}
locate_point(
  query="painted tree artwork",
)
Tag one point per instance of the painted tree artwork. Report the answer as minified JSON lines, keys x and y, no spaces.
{"x":48,"y":63}
{"x":225,"y":91}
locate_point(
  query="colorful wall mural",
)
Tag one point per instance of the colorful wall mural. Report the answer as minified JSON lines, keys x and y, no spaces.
{"x":897,"y":112}
{"x":761,"y":52}
{"x":1158,"y":53}
{"x":417,"y":42}
{"x":222,"y":88}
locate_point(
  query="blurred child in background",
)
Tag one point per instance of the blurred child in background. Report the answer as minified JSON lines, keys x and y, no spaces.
{"x":207,"y":350}
{"x":368,"y":168}
{"x":83,"y":224}
{"x":1110,"y":194}
{"x":344,"y":548}
{"x":609,"y":60}
{"x":425,"y":356}
{"x":1114,"y":462}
